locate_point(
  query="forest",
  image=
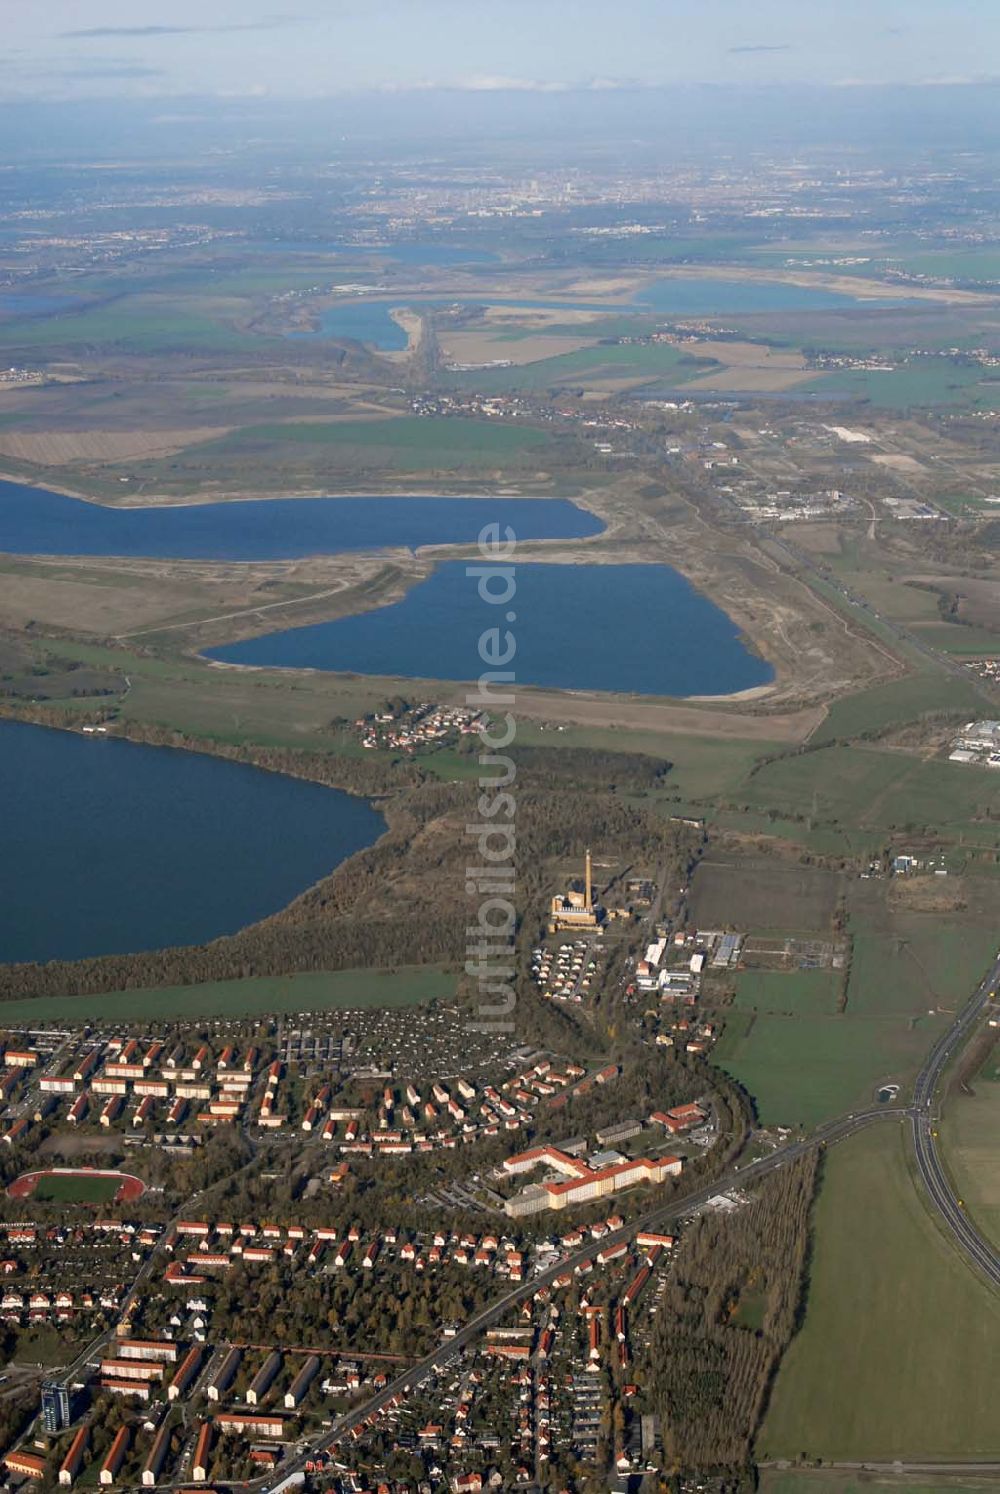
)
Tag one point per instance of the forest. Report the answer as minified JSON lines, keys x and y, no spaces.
{"x":727,"y":1316}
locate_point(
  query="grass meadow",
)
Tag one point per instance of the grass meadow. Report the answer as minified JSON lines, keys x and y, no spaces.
{"x":911,"y":1330}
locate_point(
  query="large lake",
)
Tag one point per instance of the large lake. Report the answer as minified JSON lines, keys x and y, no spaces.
{"x":371,"y":322}
{"x":110,"y":847}
{"x":637,"y":628}
{"x":34,"y":521}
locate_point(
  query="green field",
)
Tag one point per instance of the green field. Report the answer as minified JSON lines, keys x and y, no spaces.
{"x":76,"y":1188}
{"x":827,"y":1481}
{"x":322,"y":990}
{"x":826,"y":840}
{"x":914,"y":969}
{"x":897,"y":702}
{"x":927,"y":382}
{"x":810,"y":993}
{"x":897,"y":1355}
{"x":595,"y":365}
{"x":806,"y":1069}
{"x":483,"y":440}
{"x":271,"y":710}
{"x":959,"y":639}
{"x":145,"y":324}
{"x":970,"y":1139}
{"x":700,"y":766}
{"x":879,"y":789}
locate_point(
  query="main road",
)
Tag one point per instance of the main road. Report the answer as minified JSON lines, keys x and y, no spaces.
{"x":923,"y":1120}
{"x":669,"y":1213}
{"x":920,"y":1113}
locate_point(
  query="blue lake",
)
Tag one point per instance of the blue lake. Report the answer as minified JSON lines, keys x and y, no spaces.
{"x":641,"y":629}
{"x":110,"y":847}
{"x":34,"y":521}
{"x":370,"y":321}
{"x":364,"y":321}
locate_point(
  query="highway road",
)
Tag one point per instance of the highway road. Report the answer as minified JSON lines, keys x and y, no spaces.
{"x":923,"y":1121}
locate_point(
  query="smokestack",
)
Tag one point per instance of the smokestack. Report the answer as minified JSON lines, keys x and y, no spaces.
{"x":589,"y":880}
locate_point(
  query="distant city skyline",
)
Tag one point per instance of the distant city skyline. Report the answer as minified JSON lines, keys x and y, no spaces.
{"x":315,"y":48}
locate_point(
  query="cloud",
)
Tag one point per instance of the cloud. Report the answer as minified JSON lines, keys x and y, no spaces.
{"x":267,"y":23}
{"x":114,"y":70}
{"x":498,"y":83}
{"x":941,"y":80}
{"x":72,"y":72}
{"x":505,"y":83}
{"x":760,"y":47}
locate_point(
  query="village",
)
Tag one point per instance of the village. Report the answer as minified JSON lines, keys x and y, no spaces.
{"x":174,"y":1399}
{"x":409,"y":726}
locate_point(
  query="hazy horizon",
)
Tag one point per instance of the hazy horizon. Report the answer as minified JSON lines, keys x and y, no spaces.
{"x":301,"y":49}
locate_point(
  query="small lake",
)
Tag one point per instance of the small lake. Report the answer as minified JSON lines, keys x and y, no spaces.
{"x":640,"y":629}
{"x":110,"y":847}
{"x":34,"y":521}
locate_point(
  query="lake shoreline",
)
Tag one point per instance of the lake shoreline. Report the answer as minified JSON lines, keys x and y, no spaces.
{"x":654,"y":629}
{"x":250,"y":905}
{"x":157,"y":502}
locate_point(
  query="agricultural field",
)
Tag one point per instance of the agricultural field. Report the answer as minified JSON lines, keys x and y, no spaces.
{"x":917,"y":967}
{"x":762,"y":894}
{"x":700,"y":766}
{"x":875,"y":789}
{"x":927,"y":382}
{"x":829,"y":1481}
{"x":805,"y":1069}
{"x":304,"y":457}
{"x":137,"y":324}
{"x":807,"y":993}
{"x":617,"y":366}
{"x":315,"y":991}
{"x":910,"y":1328}
{"x":897,"y":701}
{"x":960,"y":641}
{"x":435,"y":439}
{"x":969,"y":1131}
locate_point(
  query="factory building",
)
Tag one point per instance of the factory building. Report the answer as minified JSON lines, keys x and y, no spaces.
{"x":576,"y":910}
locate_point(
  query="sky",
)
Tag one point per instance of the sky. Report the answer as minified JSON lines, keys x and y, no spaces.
{"x":69,"y":49}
